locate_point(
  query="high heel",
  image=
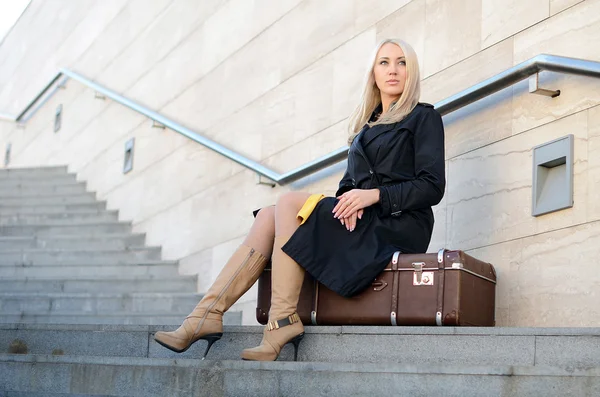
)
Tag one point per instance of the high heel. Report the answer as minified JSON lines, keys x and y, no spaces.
{"x":211,"y":338}
{"x":296,"y":341}
{"x":206,"y":320}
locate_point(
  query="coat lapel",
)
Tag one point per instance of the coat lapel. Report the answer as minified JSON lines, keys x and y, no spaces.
{"x":378,"y":130}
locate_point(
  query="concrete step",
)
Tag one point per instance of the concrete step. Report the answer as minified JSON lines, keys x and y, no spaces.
{"x":45,"y":256}
{"x":59,"y":180}
{"x":576,"y":348}
{"x":173,"y":319}
{"x":123,"y":284}
{"x":82,"y":198}
{"x":88,"y":229}
{"x":31,"y":172}
{"x":149,"y":377}
{"x":98,"y":303}
{"x":58,"y":218}
{"x":9,"y":210}
{"x":100,"y":242}
{"x":43,"y":190}
{"x":156,"y":269}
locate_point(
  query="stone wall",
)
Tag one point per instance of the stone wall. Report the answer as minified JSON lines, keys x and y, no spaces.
{"x":276,"y":80}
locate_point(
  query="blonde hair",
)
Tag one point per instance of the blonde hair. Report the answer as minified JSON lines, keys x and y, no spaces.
{"x":371,"y":96}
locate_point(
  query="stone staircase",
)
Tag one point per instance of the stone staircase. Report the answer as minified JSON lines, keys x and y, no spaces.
{"x":65,"y":259}
{"x":81,"y":297}
{"x":85,"y":360}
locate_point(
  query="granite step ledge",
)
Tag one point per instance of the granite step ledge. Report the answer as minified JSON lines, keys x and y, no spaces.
{"x":172,"y":319}
{"x":89,"y":229}
{"x":97,"y":207}
{"x":34,"y":172}
{"x":109,"y":269}
{"x":82,"y":198}
{"x":39,"y":181}
{"x":58,"y":218}
{"x":576,"y":348}
{"x":109,"y":284}
{"x":99,"y":303}
{"x":42,"y":190}
{"x":65,"y":256}
{"x":101,"y":242}
{"x":119,"y":376}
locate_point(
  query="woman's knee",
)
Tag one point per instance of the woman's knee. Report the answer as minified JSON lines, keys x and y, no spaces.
{"x":266,"y":215}
{"x":292,"y":199}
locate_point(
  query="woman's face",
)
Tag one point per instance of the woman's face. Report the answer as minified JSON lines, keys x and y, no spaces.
{"x":390,"y":70}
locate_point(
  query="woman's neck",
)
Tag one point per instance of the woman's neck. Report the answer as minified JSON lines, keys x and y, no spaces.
{"x":387,"y":101}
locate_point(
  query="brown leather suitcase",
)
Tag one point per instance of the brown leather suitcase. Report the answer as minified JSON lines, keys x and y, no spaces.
{"x":449,"y":288}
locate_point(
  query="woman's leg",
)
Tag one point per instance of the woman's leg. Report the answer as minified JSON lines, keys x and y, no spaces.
{"x":237,"y":276}
{"x":286,"y":282}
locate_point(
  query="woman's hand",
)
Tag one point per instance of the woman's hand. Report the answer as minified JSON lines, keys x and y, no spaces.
{"x":354,"y":200}
{"x":350,"y":222}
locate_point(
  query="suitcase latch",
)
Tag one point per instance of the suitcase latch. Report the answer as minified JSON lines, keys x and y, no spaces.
{"x":419,"y":276}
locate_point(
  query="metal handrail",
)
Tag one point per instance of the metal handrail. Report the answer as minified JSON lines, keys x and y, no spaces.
{"x":487,"y":87}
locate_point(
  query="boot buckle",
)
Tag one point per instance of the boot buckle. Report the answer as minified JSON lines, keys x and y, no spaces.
{"x":276,"y":324}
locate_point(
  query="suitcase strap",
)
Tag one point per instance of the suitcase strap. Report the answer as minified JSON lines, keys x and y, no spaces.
{"x":395,"y":288}
{"x":440,"y":290}
{"x":315,"y":304}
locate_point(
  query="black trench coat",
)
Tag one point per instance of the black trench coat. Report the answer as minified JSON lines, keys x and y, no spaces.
{"x":405,"y":161}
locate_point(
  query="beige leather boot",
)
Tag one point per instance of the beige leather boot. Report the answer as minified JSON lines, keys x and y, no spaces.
{"x":206,"y":321}
{"x":284,"y":323}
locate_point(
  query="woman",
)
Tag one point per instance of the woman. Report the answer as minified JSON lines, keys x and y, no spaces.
{"x":395,"y":175}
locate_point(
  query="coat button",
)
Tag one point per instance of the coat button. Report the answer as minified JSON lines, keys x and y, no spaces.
{"x":371,"y":172}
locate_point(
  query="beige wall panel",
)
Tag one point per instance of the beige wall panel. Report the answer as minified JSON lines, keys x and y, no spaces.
{"x":311,"y":101}
{"x":21,"y":38}
{"x":309,"y":149}
{"x":38,"y":140}
{"x":185,"y":173}
{"x":174,"y":24}
{"x":220,"y":213}
{"x":535,"y":290}
{"x":478,"y":124}
{"x":440,"y":216}
{"x":57,"y":24}
{"x":503,"y":18}
{"x":594,"y":164}
{"x":557,"y":6}
{"x":408,"y":24}
{"x":569,"y":33}
{"x":133,"y":19}
{"x":220,"y":36}
{"x":445,"y":43}
{"x":473,"y":70}
{"x":82,"y":36}
{"x":534,"y":281}
{"x":367,"y":13}
{"x":505,"y":257}
{"x":482,"y":122}
{"x":489,"y":197}
{"x":288,"y":46}
{"x":87,"y":31}
{"x":97,"y":136}
{"x":576,"y":93}
{"x":151,"y":146}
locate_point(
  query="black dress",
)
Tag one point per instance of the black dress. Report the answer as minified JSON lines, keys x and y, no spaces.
{"x":405,"y":161}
